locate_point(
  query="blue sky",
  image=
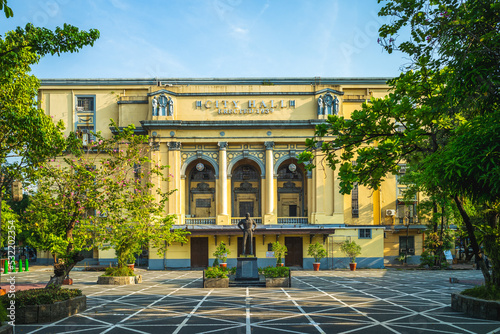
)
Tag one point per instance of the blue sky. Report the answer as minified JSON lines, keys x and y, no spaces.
{"x":214,"y":38}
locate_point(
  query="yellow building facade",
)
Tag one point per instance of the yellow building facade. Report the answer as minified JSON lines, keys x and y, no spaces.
{"x":231,"y":146}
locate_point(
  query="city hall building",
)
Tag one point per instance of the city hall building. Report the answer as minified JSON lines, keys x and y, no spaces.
{"x":231,"y":146}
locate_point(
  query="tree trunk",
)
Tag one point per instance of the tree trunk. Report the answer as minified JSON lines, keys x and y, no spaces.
{"x":492,"y":246}
{"x":473,"y":240}
{"x":61,"y":270}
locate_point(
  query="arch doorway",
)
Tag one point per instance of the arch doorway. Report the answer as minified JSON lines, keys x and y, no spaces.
{"x":291,"y":190}
{"x":201,"y":190}
{"x":245,"y":185}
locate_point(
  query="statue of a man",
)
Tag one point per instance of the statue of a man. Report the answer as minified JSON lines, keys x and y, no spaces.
{"x":170,"y":107}
{"x":320,"y":106}
{"x":248,"y":226}
{"x":155,"y":106}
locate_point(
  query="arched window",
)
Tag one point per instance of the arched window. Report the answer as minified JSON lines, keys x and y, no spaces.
{"x":245,"y":183}
{"x":291,"y":190}
{"x":201,"y":186}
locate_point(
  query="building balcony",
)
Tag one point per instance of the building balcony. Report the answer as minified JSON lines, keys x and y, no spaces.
{"x":293,"y":220}
{"x":200,"y":221}
{"x":236,"y":220}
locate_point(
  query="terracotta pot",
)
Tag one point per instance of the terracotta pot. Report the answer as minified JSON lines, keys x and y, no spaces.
{"x":280,"y":264}
{"x":223,"y":265}
{"x":131,"y":266}
{"x":352,"y":266}
{"x":3,"y":292}
{"x":68,"y":281}
{"x":316,"y":266}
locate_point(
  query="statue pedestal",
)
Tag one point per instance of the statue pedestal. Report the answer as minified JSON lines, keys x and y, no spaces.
{"x":246,"y":269}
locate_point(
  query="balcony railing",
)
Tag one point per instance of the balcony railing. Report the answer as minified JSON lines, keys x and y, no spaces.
{"x":200,"y":221}
{"x":293,"y":220}
{"x":236,"y":220}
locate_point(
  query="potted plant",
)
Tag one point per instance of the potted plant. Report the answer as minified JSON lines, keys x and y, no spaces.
{"x":221,"y":253}
{"x":351,"y":249}
{"x":279,"y":252}
{"x":317,"y":251}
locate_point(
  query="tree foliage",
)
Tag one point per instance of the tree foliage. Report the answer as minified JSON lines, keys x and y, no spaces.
{"x":100,"y":196}
{"x":441,"y":116}
{"x":26,"y":132}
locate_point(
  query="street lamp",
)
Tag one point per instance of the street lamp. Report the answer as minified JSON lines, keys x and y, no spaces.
{"x":407,"y":234}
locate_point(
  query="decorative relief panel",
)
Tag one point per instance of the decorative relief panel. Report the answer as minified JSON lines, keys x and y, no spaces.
{"x":185,"y":154}
{"x":233,"y":154}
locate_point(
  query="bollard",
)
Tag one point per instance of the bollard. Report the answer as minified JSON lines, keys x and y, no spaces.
{"x":20,"y":270}
{"x":6,"y":267}
{"x":26,"y":268}
{"x":13,"y":267}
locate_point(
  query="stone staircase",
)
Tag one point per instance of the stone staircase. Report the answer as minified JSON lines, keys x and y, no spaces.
{"x":247,"y":283}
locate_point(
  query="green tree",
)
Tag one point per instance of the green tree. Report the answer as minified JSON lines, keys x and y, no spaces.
{"x":441,"y":117}
{"x":26,"y":132}
{"x":6,"y":9}
{"x":103,"y":196}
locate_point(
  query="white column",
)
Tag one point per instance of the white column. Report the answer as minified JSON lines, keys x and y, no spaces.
{"x":269,"y":177}
{"x":223,"y":176}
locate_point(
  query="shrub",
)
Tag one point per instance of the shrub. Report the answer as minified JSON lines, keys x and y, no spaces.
{"x":279,"y":251}
{"x":232,"y":271}
{"x":317,"y":251}
{"x":351,"y":249}
{"x":429,"y":259}
{"x":3,"y":313}
{"x":119,"y":271}
{"x":221,"y":252}
{"x":273,"y":272}
{"x":215,"y":272}
{"x":483,"y":292}
{"x":41,"y":296}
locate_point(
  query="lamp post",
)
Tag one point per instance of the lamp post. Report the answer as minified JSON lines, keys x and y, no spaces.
{"x":407,"y":235}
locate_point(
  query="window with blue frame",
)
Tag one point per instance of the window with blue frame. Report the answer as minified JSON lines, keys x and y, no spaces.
{"x":365,"y":233}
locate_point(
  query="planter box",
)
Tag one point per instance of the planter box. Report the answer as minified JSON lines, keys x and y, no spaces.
{"x":119,"y":280}
{"x":36,"y":314}
{"x":216,"y":283}
{"x":6,"y":329}
{"x":278,"y":282}
{"x":474,"y":307}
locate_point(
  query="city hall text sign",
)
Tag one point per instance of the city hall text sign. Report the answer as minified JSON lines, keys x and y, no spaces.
{"x":233,"y":107}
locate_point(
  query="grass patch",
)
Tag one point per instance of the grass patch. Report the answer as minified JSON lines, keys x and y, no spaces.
{"x":40,"y":296}
{"x":119,"y":271}
{"x":483,"y":292}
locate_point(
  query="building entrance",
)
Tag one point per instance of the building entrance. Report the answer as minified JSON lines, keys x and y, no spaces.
{"x":199,"y":252}
{"x":294,"y":257}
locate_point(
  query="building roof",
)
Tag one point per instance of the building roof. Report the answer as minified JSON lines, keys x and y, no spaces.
{"x":166,"y":82}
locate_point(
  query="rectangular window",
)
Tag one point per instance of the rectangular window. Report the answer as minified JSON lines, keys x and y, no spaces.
{"x":403,"y":246}
{"x":85,"y":117}
{"x":365,"y":233}
{"x":354,"y":201}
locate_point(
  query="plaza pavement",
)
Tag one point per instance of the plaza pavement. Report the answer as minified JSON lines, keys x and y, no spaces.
{"x":333,"y":301}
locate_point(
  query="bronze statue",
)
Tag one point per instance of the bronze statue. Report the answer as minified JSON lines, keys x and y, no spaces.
{"x":248,"y":226}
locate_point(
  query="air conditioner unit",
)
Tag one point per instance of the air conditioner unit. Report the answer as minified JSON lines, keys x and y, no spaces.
{"x":390,"y":213}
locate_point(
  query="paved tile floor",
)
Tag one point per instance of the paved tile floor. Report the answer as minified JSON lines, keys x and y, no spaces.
{"x":339,"y":301}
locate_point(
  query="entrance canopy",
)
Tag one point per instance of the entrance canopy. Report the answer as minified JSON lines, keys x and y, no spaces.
{"x":198,"y":230}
